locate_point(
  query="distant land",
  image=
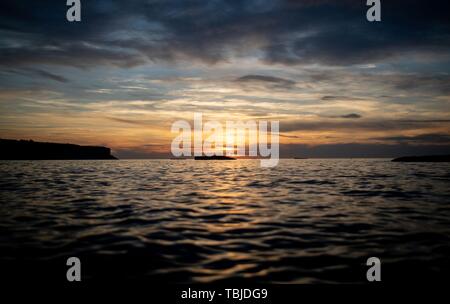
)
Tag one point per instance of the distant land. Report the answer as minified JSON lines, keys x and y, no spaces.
{"x":425,"y":158}
{"x":214,"y":157}
{"x":31,"y":150}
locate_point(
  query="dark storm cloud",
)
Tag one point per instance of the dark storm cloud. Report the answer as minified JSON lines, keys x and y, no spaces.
{"x":129,"y":33}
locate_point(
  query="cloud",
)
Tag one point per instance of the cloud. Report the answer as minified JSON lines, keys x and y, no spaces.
{"x":34,"y":72}
{"x":132,"y":121}
{"x":432,"y":138}
{"x":352,"y":124}
{"x":425,"y":121}
{"x":424,"y":82}
{"x":69,"y":54}
{"x":276,"y":81}
{"x":51,"y":76}
{"x":346,"y":116}
{"x":334,"y":97}
{"x":132,"y":33}
{"x":289,"y":136}
{"x":351,"y":116}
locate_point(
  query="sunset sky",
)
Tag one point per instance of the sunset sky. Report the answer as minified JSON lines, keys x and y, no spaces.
{"x":338,"y":84}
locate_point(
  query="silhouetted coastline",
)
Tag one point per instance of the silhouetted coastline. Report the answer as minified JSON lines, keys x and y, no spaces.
{"x":31,"y":150}
{"x":425,"y":158}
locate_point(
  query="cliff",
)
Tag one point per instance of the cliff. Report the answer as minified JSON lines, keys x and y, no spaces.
{"x":31,"y":150}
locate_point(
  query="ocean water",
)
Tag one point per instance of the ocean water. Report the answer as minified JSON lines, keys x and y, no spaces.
{"x":304,"y":221}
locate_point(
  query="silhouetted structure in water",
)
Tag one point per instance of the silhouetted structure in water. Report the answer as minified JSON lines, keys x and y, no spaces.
{"x":425,"y":158}
{"x":214,"y":157}
{"x":31,"y":150}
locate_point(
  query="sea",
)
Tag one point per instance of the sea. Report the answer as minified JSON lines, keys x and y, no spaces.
{"x":187,"y":221}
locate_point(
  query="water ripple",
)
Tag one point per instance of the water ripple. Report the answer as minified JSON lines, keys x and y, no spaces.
{"x":186,"y":221}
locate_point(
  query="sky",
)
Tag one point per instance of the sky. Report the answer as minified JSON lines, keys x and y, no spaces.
{"x":340,"y":86}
